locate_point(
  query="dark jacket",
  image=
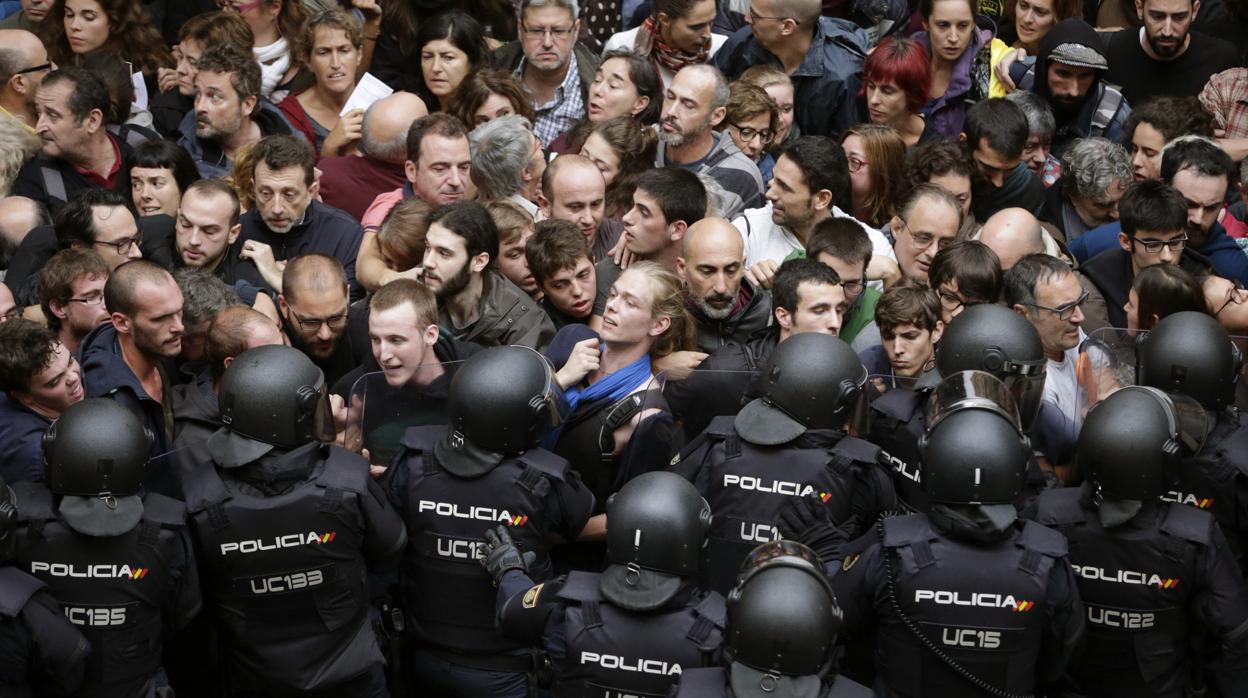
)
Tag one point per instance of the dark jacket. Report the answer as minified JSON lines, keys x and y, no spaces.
{"x":753,"y":314}
{"x":168,"y":110}
{"x":509,"y":55}
{"x":1107,"y":278}
{"x":1227,"y":257}
{"x":51,"y":181}
{"x":195,"y":417}
{"x":21,"y":441}
{"x":732,"y":169}
{"x":1020,"y":188}
{"x":721,"y":384}
{"x":825,"y":84}
{"x":324,"y":230}
{"x":508,"y":316}
{"x":210,"y":157}
{"x":1061,"y":213}
{"x":105,"y":374}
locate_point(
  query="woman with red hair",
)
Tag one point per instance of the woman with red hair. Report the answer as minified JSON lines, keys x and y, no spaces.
{"x":896,"y":80}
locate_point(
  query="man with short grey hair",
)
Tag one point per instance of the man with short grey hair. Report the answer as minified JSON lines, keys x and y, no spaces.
{"x":507,"y":162}
{"x":1095,"y":174}
{"x":1038,"y":152}
{"x":693,"y":108}
{"x":556,"y":70}
{"x":352,"y":183}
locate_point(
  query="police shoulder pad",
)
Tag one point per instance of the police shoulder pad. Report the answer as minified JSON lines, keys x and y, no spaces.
{"x":18,"y":588}
{"x":1234,"y":448}
{"x":422,"y":439}
{"x":714,"y":608}
{"x":721,"y":427}
{"x":1043,"y":540}
{"x":166,"y":511}
{"x":344,"y":470}
{"x":1059,"y":507}
{"x":34,"y":501}
{"x":898,"y":403}
{"x":900,"y":531}
{"x":547,"y":463}
{"x":1188,"y":523}
{"x":580,"y":587}
{"x":852,"y":448}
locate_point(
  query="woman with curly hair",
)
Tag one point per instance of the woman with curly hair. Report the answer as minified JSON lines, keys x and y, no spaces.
{"x":487,"y":94}
{"x":77,"y":28}
{"x":621,"y":149}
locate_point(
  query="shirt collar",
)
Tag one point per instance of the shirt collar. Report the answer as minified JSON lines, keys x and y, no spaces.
{"x":105,"y":181}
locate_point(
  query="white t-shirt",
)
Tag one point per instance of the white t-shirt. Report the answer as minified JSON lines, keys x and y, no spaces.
{"x":628,"y":39}
{"x":766,"y":240}
{"x":1061,"y":385}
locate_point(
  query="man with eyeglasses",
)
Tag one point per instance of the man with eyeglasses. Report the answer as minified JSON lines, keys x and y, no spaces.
{"x":39,"y":379}
{"x":823,"y":56}
{"x":556,"y":70}
{"x":1153,"y":218}
{"x":842,"y":245}
{"x":316,"y":311}
{"x":71,"y":295}
{"x":963,"y":274}
{"x":1046,"y":292}
{"x":1228,"y":302}
{"x":926,"y":222}
{"x":23,"y":63}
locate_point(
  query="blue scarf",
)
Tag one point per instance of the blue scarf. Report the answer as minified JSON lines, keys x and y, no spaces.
{"x":613,"y":387}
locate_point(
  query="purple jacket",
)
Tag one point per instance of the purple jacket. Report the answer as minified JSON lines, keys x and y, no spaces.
{"x":946,"y":112}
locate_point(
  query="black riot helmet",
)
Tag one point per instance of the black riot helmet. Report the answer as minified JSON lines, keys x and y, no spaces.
{"x":999,"y":341}
{"x":658,"y":528}
{"x":270,"y":397}
{"x":8,"y":522}
{"x":782,"y":615}
{"x":1132,"y":443}
{"x":1191,"y":354}
{"x":812,"y":381}
{"x":501,"y":400}
{"x":96,"y":448}
{"x":973,"y":451}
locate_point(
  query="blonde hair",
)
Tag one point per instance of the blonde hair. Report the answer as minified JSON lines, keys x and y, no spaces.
{"x":403,"y":230}
{"x":17,"y":145}
{"x":510,"y":219}
{"x":886,"y":155}
{"x":668,"y":302}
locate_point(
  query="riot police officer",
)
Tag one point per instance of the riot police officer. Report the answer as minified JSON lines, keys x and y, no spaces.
{"x":790,"y":442}
{"x":41,"y":652}
{"x":286,"y":527}
{"x":119,"y":561}
{"x":781,"y":628}
{"x":455,"y":483}
{"x":966,"y":599}
{"x":1145,"y":567}
{"x":634,"y":628}
{"x":981,"y":338}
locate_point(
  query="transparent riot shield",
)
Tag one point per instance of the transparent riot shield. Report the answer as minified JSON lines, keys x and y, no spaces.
{"x":880,"y":383}
{"x":701,"y":395}
{"x":1106,"y":364}
{"x":382,"y":405}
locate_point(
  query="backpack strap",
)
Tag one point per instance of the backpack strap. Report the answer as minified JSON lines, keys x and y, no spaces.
{"x":1106,"y":109}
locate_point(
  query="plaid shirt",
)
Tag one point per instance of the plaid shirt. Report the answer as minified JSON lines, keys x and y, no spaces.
{"x":1226,"y":98}
{"x":558,"y":115}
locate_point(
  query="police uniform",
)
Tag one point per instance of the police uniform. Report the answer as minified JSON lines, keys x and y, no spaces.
{"x":125,"y":592}
{"x":41,"y":652}
{"x":714,"y":682}
{"x":1141,"y":583}
{"x":448,"y":597}
{"x":284,"y":544}
{"x":1216,"y":480}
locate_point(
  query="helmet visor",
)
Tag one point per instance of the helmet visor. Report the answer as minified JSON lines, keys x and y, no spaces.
{"x":973,"y":389}
{"x":1190,"y":423}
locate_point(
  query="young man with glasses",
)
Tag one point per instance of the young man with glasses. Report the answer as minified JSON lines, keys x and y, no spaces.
{"x":1228,"y":302}
{"x":1153,"y":217}
{"x":963,"y":274}
{"x":926,"y":222}
{"x":554,"y":68}
{"x":71,"y":295}
{"x":99,"y":220}
{"x":22,"y":66}
{"x":1046,"y":292}
{"x":316,"y":311}
{"x":842,"y":245}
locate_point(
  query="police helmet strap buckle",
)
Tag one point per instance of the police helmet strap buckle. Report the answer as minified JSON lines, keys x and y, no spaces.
{"x":632,"y":575}
{"x":109,"y":500}
{"x":768,"y":683}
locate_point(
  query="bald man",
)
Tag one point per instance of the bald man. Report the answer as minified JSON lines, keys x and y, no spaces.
{"x":316,"y":313}
{"x":351,"y":182}
{"x":573,"y":190}
{"x":1013,"y":233}
{"x":726,"y":306}
{"x":18,"y":216}
{"x":23,"y":63}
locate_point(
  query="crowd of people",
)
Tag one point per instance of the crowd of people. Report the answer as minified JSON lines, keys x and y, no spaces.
{"x":635,"y":347}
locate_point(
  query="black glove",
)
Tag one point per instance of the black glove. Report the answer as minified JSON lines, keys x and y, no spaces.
{"x":807,"y":521}
{"x":501,"y":554}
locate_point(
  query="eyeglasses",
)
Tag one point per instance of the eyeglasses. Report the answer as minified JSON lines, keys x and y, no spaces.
{"x":35,"y":69}
{"x":123,"y":245}
{"x":748,"y":134}
{"x":852,"y":287}
{"x":949,"y":300}
{"x":752,"y":15}
{"x":925,"y":240}
{"x":235,"y":6}
{"x":1154,"y":246}
{"x":541,"y":32}
{"x":1065,"y":312}
{"x":856,"y":165}
{"x":335,"y":323}
{"x":93,"y":299}
{"x":1235,"y":295}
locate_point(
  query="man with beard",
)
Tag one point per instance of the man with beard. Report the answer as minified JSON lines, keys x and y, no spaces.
{"x":1165,"y":57}
{"x":573,"y":190}
{"x":725,"y":305}
{"x":229,"y":111}
{"x":206,"y":230}
{"x":1069,"y":73}
{"x":316,"y":314}
{"x":23,"y":62}
{"x":39,"y":378}
{"x":1203,"y":174}
{"x":693,"y":107}
{"x":71,"y":295}
{"x":287,"y":221}
{"x":129,"y":358}
{"x":475,"y":302}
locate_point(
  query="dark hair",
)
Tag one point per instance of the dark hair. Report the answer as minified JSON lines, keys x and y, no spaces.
{"x":1022,"y":278}
{"x":436,"y":124}
{"x":130,"y":33}
{"x":1170,"y":116}
{"x":217,"y":187}
{"x":90,"y":92}
{"x":903,"y":62}
{"x":645,"y":79}
{"x":74,"y":222}
{"x":908,"y":302}
{"x":1153,"y":206}
{"x":212,"y":28}
{"x":280,"y":151}
{"x":56,"y":278}
{"x":26,"y":348}
{"x":824,"y":166}
{"x":462,"y":30}
{"x":676,"y":9}
{"x":110,"y":68}
{"x":1165,"y":289}
{"x":119,"y":291}
{"x":240,"y":65}
{"x":167,"y":155}
{"x":477,"y":87}
{"x":679,"y":192}
{"x":555,"y":245}
{"x":842,"y":238}
{"x":935,"y":158}
{"x":795,"y":272}
{"x":1200,"y":155}
{"x":634,"y":145}
{"x":975,"y":267}
{"x":1000,"y":124}
{"x":926,"y":7}
{"x":472,"y":222}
